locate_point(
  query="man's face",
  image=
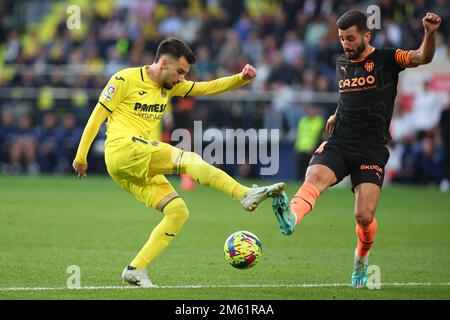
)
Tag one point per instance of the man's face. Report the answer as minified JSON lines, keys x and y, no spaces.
{"x":353,"y":42}
{"x":173,"y":71}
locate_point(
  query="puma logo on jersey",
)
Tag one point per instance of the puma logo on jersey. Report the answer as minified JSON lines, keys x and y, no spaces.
{"x":119,"y":78}
{"x":142,"y":92}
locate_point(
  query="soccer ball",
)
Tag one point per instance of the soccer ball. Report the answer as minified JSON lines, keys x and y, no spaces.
{"x":242,"y":249}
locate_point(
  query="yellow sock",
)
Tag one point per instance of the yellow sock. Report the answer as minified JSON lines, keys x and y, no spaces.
{"x":208,"y":175}
{"x":175,"y":215}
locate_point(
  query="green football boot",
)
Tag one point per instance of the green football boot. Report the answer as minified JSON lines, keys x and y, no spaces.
{"x":286,"y":218}
{"x":360,"y":273}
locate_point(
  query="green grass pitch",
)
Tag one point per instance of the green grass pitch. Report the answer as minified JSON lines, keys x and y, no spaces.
{"x":50,"y":223}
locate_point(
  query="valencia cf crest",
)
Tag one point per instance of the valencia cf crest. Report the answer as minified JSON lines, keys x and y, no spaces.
{"x":163,"y":93}
{"x":369,"y":65}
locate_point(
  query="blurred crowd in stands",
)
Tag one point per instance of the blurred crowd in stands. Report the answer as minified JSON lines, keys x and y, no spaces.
{"x":292,"y":43}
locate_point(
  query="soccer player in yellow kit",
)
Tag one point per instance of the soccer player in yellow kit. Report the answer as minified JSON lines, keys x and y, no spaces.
{"x":134,"y":101}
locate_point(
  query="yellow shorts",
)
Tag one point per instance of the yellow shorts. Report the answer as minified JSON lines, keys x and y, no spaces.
{"x":139,"y":165}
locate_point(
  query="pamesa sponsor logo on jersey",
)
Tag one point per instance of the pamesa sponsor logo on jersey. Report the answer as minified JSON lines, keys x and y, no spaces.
{"x":149,"y":111}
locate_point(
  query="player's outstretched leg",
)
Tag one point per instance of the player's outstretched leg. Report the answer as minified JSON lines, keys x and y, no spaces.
{"x":286,"y":218}
{"x":258,"y":194}
{"x":289,"y":214}
{"x":208,"y":175}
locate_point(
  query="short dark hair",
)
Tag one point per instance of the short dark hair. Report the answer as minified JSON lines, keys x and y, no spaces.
{"x":176,"y":48}
{"x":353,"y":18}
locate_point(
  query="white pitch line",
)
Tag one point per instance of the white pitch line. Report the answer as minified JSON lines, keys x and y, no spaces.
{"x":305,"y":285}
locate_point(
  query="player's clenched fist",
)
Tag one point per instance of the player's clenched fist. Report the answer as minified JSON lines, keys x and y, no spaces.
{"x":431,"y":21}
{"x":248,"y":72}
{"x":80,"y":169}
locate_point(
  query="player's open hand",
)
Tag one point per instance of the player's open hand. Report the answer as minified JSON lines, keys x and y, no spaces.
{"x":330,"y":123}
{"x":248,"y":72}
{"x":80,"y":169}
{"x":431,"y":22}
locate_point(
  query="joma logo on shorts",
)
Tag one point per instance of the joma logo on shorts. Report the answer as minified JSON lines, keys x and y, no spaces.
{"x":149,"y":107}
{"x":356,"y":82}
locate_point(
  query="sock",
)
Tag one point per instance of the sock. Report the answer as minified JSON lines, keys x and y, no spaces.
{"x":304,"y":200}
{"x":208,"y":175}
{"x":175,"y":215}
{"x":366,"y":236}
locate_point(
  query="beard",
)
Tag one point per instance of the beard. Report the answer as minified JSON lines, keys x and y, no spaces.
{"x":167,"y":85}
{"x":352,"y":55}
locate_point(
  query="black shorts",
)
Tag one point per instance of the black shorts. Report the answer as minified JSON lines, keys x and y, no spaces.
{"x":362,"y":162}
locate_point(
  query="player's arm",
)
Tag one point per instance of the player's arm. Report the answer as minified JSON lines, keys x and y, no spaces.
{"x":217,"y":86}
{"x":331,"y":121}
{"x":110,"y":98}
{"x":96,"y":119}
{"x":425,"y":53}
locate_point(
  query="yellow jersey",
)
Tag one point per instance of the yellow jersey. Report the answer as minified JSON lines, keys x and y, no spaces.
{"x":137,"y":103}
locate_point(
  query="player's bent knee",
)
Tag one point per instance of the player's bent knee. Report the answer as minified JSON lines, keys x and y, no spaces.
{"x":364,"y":216}
{"x":314,"y":177}
{"x":177,"y":210}
{"x":182,"y":213}
{"x":164,"y":202}
{"x":319,"y":178}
